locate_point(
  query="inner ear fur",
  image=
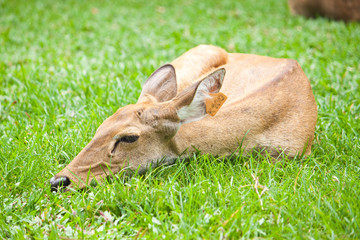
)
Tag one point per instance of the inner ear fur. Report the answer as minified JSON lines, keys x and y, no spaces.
{"x":190,"y":103}
{"x":161,"y":85}
{"x":210,"y":84}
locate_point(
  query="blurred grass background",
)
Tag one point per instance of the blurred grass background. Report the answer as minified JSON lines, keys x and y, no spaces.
{"x":67,"y":65}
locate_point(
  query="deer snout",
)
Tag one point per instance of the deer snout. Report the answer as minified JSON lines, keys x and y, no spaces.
{"x":58,"y":183}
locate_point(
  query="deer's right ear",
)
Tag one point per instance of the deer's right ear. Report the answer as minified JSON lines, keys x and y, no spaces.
{"x":161,"y":85}
{"x":201,"y":98}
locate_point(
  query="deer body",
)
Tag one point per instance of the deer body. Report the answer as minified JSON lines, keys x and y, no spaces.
{"x":270,"y":106}
{"x":347,"y":10}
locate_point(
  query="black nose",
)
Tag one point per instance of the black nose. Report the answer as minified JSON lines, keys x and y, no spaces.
{"x":58,"y":183}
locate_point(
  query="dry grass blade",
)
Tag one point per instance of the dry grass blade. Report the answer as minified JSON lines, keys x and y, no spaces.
{"x":257,"y":185}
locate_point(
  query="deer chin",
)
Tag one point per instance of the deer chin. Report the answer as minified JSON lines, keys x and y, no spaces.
{"x":64,"y":183}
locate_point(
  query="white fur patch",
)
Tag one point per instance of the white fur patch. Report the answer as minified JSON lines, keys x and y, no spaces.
{"x":196,"y":110}
{"x":191,"y":113}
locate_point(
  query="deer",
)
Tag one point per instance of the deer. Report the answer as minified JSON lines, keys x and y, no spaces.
{"x":206,"y":100}
{"x":346,"y":10}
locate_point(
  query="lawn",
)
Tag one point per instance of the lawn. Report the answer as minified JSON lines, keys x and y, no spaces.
{"x":67,"y":65}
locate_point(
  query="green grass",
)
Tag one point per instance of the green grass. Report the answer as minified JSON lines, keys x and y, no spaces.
{"x":67,"y":65}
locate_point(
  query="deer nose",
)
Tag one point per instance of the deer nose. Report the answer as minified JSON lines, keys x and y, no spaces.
{"x":57,"y":183}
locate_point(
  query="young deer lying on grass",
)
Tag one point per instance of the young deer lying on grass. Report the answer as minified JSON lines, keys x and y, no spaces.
{"x":269,"y":105}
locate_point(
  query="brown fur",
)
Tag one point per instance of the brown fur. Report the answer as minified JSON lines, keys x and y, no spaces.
{"x":270,"y":106}
{"x":347,"y":10}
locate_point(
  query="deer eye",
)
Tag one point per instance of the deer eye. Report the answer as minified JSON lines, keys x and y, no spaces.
{"x":128,"y":139}
{"x":125,"y":139}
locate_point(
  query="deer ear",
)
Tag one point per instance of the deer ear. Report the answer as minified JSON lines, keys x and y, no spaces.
{"x":161,"y":85}
{"x":191,"y":104}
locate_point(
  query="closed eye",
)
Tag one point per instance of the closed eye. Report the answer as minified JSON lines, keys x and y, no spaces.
{"x":129,"y":139}
{"x":125,"y":139}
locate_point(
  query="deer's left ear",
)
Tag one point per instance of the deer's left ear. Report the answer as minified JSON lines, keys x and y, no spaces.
{"x":161,"y":85}
{"x":201,"y":98}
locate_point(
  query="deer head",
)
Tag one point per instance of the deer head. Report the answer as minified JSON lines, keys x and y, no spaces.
{"x":142,"y":133}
